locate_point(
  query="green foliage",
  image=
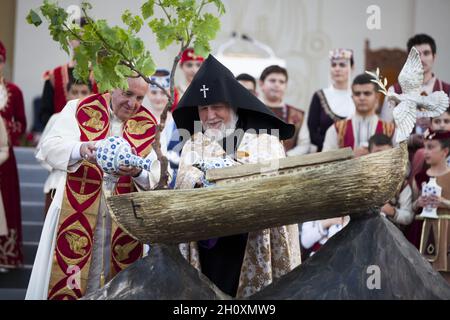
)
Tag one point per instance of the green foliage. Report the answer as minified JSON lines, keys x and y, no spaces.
{"x":86,"y":6}
{"x":34,"y":18}
{"x":206,"y":29}
{"x":184,"y":23}
{"x":220,"y":6}
{"x":134,"y":23}
{"x":115,"y":53}
{"x":56,"y":17}
{"x":147,"y":9}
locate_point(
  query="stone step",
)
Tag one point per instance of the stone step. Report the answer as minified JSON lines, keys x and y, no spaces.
{"x":12,"y":294}
{"x":33,"y":211}
{"x":29,"y":252}
{"x":33,"y":173}
{"x":31,"y":231}
{"x":31,"y":191}
{"x":16,"y":278}
{"x":25,"y":155}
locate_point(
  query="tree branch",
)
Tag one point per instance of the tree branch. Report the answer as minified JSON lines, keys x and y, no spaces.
{"x":126,"y":62}
{"x":76,"y":35}
{"x":146,"y":78}
{"x":103,"y":40}
{"x":200,"y":8}
{"x":164,"y":10}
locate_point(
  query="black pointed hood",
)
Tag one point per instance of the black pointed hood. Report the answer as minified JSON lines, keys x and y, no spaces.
{"x":214,"y":83}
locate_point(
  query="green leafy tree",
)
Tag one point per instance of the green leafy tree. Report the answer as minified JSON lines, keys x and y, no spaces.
{"x":114,"y":53}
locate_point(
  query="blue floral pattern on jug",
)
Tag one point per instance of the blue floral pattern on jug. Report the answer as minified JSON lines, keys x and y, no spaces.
{"x":115,"y":152}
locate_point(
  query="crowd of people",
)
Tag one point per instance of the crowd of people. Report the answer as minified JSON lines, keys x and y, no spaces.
{"x":78,"y":229}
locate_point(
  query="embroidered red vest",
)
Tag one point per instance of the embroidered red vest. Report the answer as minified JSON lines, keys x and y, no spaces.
{"x":344,"y":130}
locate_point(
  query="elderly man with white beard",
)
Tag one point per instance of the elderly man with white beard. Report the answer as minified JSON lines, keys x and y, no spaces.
{"x":227,"y":125}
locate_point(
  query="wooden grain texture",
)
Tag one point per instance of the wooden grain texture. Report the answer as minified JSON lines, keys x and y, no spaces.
{"x":324,"y":191}
{"x":278,"y":165}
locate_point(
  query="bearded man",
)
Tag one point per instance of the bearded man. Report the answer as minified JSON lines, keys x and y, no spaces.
{"x":227,"y":125}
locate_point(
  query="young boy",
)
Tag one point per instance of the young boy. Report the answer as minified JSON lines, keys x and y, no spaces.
{"x":439,"y":123}
{"x":273,"y":83}
{"x":248,"y":82}
{"x":190,"y":63}
{"x":399,"y":208}
{"x":78,"y":90}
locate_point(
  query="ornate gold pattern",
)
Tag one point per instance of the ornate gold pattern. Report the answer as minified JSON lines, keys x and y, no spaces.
{"x":123,"y":252}
{"x":429,"y":226}
{"x":95,"y":121}
{"x":98,"y":132}
{"x":262,"y":261}
{"x":84,"y":180}
{"x":7,"y":250}
{"x":76,"y":240}
{"x":77,"y":243}
{"x":79,"y":196}
{"x":325,"y":106}
{"x":139,"y":127}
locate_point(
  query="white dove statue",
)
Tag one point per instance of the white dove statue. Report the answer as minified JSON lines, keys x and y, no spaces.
{"x":411,"y":104}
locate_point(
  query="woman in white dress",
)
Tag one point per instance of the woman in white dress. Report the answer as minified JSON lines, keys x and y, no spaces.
{"x":335,"y":102}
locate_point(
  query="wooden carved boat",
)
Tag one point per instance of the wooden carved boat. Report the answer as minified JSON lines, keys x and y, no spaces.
{"x":250,"y":197}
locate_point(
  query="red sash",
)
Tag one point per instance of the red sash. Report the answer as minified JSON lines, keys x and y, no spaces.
{"x":78,"y":219}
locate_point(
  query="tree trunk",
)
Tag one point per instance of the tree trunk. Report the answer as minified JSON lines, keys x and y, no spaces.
{"x":313,"y":193}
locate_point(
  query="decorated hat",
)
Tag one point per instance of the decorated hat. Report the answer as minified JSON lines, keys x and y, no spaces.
{"x":161,"y":77}
{"x":2,"y":51}
{"x":214,"y":83}
{"x":341,"y":54}
{"x":189,"y":55}
{"x":436,"y":135}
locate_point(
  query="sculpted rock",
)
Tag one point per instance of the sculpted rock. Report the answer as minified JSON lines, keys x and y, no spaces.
{"x":350,"y":264}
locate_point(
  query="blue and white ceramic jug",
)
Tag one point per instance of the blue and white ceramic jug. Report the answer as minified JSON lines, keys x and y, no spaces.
{"x":114,"y":152}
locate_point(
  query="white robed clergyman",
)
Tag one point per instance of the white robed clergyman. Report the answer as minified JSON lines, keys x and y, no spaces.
{"x":61,"y":151}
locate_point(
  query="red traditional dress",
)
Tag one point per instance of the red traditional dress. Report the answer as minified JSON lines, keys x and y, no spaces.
{"x":435,"y":235}
{"x":82,"y":199}
{"x":13,"y":114}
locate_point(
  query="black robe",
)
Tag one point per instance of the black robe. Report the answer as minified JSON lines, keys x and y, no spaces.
{"x":222,"y":262}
